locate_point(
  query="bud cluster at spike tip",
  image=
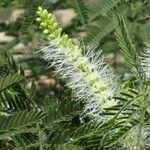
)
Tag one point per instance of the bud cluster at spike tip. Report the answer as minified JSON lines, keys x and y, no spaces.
{"x":97,"y":75}
{"x":51,"y":27}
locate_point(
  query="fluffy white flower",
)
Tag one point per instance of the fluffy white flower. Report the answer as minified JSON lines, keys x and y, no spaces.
{"x":89,"y":76}
{"x":92,"y":81}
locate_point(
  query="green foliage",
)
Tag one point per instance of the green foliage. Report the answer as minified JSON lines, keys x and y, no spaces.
{"x":9,"y":80}
{"x":80,"y":8}
{"x":100,"y":23}
{"x":102,"y":8}
{"x":19,"y":113}
{"x":103,"y":27}
{"x":28,"y":121}
{"x":20,"y":120}
{"x":6,"y":3}
{"x":127,"y":48}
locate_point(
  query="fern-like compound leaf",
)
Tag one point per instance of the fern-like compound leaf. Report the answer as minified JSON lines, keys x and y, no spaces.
{"x":20,"y":119}
{"x":9,"y":80}
{"x":124,"y":40}
{"x":102,"y":7}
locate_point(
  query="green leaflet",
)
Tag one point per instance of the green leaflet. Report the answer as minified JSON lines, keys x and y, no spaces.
{"x":102,"y":7}
{"x":20,"y":119}
{"x":125,"y":43}
{"x":9,"y":80}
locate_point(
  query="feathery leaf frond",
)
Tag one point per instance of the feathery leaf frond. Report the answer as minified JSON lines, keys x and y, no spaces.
{"x":9,"y":80}
{"x":102,"y":7}
{"x":125,"y":43}
{"x":20,"y":119}
{"x":79,"y":6}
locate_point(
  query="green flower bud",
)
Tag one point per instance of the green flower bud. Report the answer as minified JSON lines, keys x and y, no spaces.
{"x":40,"y":9}
{"x":51,"y":36}
{"x":40,"y":27}
{"x":69,"y":41}
{"x":39,"y":13}
{"x":55,"y":26}
{"x":58,"y":32}
{"x":45,"y":13}
{"x":46,"y":31}
{"x":49,"y":16}
{"x":38,"y":19}
{"x":43,"y":24}
{"x":65,"y":36}
{"x":77,"y":48}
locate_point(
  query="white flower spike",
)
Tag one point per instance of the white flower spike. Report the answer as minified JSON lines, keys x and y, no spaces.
{"x":88,"y":75}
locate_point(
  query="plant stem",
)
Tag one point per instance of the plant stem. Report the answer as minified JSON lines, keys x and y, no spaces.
{"x":39,"y":136}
